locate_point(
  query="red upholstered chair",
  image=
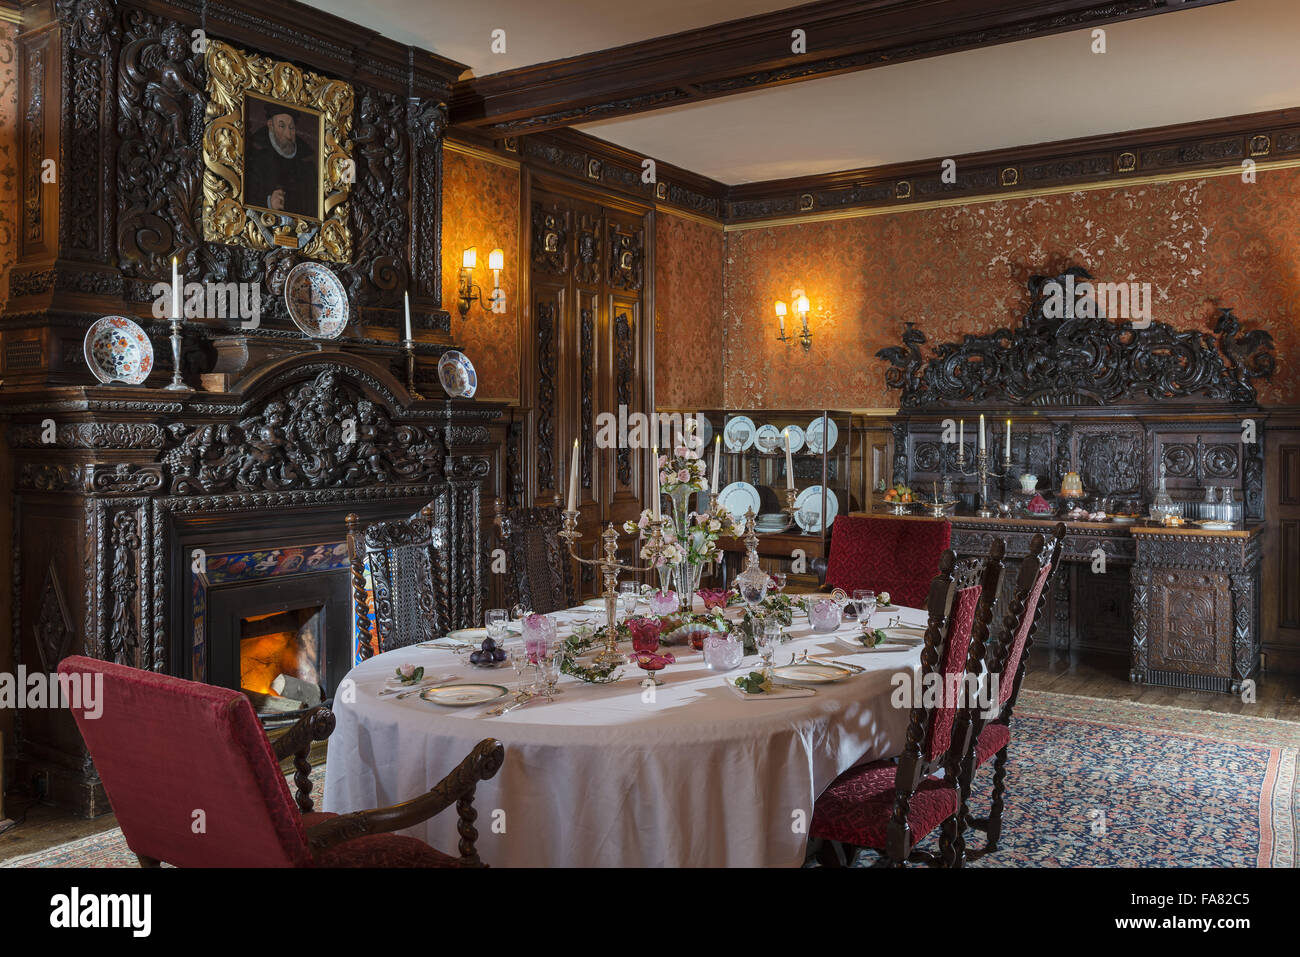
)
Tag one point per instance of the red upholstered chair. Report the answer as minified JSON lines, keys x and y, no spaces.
{"x":173,"y":754}
{"x":892,"y":805}
{"x":897,"y":555}
{"x":1007,"y":659}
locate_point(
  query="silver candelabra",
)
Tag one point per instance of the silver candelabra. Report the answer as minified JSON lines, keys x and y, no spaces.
{"x":985,"y":470}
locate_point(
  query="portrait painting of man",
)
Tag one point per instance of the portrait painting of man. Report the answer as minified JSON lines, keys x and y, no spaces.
{"x":281,"y":157}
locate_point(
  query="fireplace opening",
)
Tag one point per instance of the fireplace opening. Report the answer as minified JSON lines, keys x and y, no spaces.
{"x":280,"y":658}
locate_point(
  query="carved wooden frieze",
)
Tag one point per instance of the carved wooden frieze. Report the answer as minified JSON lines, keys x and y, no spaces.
{"x":296,"y":440}
{"x":1080,"y":360}
{"x":625,"y":258}
{"x":586,"y":265}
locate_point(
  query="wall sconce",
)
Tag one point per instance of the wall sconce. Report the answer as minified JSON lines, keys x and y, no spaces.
{"x":470,"y":293}
{"x":801,"y":307}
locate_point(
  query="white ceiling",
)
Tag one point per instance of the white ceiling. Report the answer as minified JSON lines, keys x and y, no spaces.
{"x":1189,"y":65}
{"x":536,"y":32}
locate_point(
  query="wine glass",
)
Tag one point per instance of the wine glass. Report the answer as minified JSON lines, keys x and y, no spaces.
{"x":779,"y":578}
{"x":496,"y":621}
{"x":864,"y":602}
{"x":767,"y":638}
{"x":525,"y":673}
{"x":549,"y":661}
{"x":629,"y":596}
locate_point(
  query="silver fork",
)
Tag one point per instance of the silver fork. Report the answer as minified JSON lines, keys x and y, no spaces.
{"x":521,"y":699}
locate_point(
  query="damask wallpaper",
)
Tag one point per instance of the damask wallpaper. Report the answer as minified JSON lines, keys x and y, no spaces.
{"x":963,"y":269}
{"x":688,"y":313}
{"x":480,"y":202}
{"x":8,"y":156}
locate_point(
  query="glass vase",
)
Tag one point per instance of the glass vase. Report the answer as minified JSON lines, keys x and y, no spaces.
{"x":686,"y":577}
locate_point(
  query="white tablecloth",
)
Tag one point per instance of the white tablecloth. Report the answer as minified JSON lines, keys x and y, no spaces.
{"x":603,"y":776}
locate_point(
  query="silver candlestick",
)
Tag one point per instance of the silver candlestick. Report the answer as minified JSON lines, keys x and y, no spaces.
{"x":408,"y":345}
{"x":177,"y":383}
{"x":985,"y":471}
{"x":609,"y":568}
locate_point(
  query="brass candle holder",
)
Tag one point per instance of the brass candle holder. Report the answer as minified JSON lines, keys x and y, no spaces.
{"x":790,"y":496}
{"x":609,"y":567}
{"x":408,"y":346}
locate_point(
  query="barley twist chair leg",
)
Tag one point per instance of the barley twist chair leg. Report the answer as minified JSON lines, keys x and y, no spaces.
{"x":995,"y":810}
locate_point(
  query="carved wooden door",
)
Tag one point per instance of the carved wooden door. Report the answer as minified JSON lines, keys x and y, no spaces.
{"x":591,"y":348}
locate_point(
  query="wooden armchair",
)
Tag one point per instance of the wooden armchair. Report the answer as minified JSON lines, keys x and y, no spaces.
{"x":195,"y":782}
{"x":539,"y":573}
{"x":408,"y":565}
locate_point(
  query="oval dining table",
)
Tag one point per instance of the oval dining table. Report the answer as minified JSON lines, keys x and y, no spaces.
{"x":611,"y":775}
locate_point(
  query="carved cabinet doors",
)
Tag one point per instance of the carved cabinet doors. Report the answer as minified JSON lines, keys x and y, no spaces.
{"x":589,"y":354}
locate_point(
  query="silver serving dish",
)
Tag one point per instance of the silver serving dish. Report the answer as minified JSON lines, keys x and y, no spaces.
{"x":899,"y":508}
{"x":941,"y":509}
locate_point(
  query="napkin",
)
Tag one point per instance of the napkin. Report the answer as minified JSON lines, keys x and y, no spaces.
{"x":395,"y":684}
{"x":778,"y":692}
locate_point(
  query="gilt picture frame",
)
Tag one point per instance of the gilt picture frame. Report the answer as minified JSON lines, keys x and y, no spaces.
{"x":277,"y":166}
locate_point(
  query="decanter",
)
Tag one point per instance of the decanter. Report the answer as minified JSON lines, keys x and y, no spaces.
{"x":1163,"y":504}
{"x":753,"y":581}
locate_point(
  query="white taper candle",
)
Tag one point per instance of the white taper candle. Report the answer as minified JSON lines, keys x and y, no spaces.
{"x":573,"y":467}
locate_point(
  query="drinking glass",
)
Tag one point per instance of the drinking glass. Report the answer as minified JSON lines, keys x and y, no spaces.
{"x":525,"y":673}
{"x":775,"y":633}
{"x":548,"y":667}
{"x":864,"y":601}
{"x":629,"y":595}
{"x":496,"y":620}
{"x":767,"y":638}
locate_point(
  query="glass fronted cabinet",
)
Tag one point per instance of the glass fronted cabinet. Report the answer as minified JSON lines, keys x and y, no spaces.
{"x":755,"y":471}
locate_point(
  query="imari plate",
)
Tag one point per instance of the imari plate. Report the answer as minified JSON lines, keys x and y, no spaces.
{"x":457,"y":375}
{"x":118,"y":349}
{"x":318,"y":304}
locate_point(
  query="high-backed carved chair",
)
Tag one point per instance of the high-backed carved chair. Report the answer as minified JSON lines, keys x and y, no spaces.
{"x":406,"y":563}
{"x":896,"y":555}
{"x":1007,"y":660}
{"x":892,"y":805}
{"x":539,"y":573}
{"x":176,"y":754}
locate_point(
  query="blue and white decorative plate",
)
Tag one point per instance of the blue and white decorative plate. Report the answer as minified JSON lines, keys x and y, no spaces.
{"x":318,"y":304}
{"x":118,"y":349}
{"x":457,"y":375}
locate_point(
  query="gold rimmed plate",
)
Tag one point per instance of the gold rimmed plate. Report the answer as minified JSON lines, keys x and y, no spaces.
{"x":810,"y":673}
{"x":463,"y":695}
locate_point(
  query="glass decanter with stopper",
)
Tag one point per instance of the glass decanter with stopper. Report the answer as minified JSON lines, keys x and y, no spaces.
{"x":753,"y":581}
{"x":1163,"y":505}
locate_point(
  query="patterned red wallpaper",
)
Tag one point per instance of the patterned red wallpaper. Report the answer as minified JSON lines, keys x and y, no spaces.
{"x":480,"y":207}
{"x":963,"y":269}
{"x":688,"y":313}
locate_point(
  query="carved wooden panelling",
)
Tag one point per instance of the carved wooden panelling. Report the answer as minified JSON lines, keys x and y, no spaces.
{"x":547,"y":373}
{"x":1049,"y":360}
{"x":550,"y":239}
{"x":1191,"y":622}
{"x":624,"y":372}
{"x":1288,"y":553}
{"x":1288,"y":492}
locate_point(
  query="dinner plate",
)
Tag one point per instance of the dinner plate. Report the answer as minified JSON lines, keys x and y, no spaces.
{"x":594,"y":603}
{"x":117,"y":348}
{"x":810,"y":673}
{"x":468,"y":634}
{"x":769,"y":438}
{"x":739,"y":497}
{"x":814,"y":438}
{"x":457,"y":375}
{"x":796,"y":438}
{"x":730,"y":439}
{"x":851,"y":641}
{"x":463,"y":695}
{"x":811,"y":499}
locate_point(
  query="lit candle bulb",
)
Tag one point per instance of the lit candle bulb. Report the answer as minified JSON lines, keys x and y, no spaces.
{"x":717,"y":450}
{"x":1007,"y":451}
{"x":176,"y":290}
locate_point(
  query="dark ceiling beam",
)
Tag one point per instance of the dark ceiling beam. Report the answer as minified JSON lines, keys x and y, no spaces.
{"x":843,"y":36}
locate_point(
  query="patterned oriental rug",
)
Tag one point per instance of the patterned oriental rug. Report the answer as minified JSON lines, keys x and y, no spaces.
{"x":1090,"y":783}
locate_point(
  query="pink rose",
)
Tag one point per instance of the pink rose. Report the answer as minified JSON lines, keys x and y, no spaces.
{"x":407,"y":670}
{"x":683,"y":476}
